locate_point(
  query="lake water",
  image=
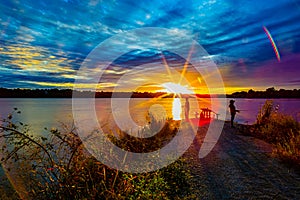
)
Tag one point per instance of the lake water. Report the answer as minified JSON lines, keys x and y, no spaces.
{"x":40,"y":113}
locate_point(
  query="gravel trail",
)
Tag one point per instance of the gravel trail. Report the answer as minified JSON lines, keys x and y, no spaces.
{"x":239,"y":167}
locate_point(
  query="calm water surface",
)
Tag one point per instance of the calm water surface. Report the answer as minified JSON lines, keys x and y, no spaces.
{"x":40,"y":113}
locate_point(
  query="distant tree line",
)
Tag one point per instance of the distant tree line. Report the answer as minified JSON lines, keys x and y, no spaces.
{"x":269,"y":93}
{"x":35,"y":93}
{"x":68,"y":93}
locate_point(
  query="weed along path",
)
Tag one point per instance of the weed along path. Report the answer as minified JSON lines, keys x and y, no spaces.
{"x":239,"y":167}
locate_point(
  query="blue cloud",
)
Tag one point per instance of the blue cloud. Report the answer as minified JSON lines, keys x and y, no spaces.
{"x":69,"y":30}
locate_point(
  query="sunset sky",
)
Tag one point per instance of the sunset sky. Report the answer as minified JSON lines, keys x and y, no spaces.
{"x":254,"y":44}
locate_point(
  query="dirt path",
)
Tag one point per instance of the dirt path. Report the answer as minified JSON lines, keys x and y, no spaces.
{"x":240,"y":167}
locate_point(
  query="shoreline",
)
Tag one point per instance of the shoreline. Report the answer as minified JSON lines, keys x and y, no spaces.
{"x":240,"y":166}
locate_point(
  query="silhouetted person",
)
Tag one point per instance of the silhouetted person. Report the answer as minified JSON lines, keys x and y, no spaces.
{"x":233,"y":111}
{"x":187,"y":108}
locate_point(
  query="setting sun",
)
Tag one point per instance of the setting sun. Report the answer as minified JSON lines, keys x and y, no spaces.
{"x":176,"y":88}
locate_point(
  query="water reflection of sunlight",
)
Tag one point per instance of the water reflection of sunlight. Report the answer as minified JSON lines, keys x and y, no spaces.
{"x":176,"y":89}
{"x":176,"y":109}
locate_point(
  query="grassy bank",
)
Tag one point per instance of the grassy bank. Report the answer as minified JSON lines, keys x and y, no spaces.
{"x":281,"y":130}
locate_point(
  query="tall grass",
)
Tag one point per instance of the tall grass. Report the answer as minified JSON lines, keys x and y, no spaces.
{"x":59,"y":167}
{"x":281,"y":130}
{"x":154,"y":140}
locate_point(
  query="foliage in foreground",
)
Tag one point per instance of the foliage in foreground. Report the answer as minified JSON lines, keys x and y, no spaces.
{"x":279,"y":129}
{"x":57,"y":166}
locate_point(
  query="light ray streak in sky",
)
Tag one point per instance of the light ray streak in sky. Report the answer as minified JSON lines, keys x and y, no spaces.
{"x":167,"y":67}
{"x":186,"y":63}
{"x":272,"y":42}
